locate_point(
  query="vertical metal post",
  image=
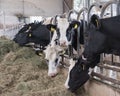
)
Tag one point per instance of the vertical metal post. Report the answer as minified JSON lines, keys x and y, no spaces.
{"x":112,"y":16}
{"x":78,"y":43}
{"x":0,"y":4}
{"x":87,"y":3}
{"x":23,"y":11}
{"x":118,"y":8}
{"x":111,"y":10}
{"x":84,"y":27}
{"x":4,"y":25}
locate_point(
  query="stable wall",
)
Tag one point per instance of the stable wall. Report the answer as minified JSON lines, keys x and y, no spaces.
{"x":13,"y":8}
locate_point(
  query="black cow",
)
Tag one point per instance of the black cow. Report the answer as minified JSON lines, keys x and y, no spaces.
{"x":35,"y":33}
{"x":72,"y":33}
{"x":103,"y":37}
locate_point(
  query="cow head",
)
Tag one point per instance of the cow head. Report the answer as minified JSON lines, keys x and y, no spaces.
{"x":53,"y":52}
{"x":79,"y":71}
{"x":72,"y":33}
{"x":77,"y":75}
{"x":52,"y":55}
{"x":22,"y":37}
{"x":33,"y":32}
{"x":62,"y":24}
{"x":95,"y":21}
{"x":72,"y":30}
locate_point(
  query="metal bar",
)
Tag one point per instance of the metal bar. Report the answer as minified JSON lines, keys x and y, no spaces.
{"x":66,"y":56}
{"x":112,"y":60}
{"x":106,"y":5}
{"x":108,"y":67}
{"x":78,"y":43}
{"x":64,"y":64}
{"x":93,"y":5}
{"x":88,"y":3}
{"x":51,"y":21}
{"x":71,"y":12}
{"x":111,"y":10}
{"x":66,"y":5}
{"x":81,"y":11}
{"x":4,"y":24}
{"x":118,"y":8}
{"x":109,"y":63}
{"x":106,"y":78}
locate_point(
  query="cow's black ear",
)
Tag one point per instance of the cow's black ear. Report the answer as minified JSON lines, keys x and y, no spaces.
{"x":51,"y":27}
{"x":95,"y":21}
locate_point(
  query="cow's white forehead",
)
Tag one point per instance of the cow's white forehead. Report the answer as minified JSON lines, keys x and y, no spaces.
{"x":52,"y":51}
{"x":63,"y":23}
{"x":53,"y":39}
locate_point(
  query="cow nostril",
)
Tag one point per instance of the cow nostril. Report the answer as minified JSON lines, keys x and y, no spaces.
{"x":46,"y":60}
{"x":52,"y":75}
{"x":63,"y":44}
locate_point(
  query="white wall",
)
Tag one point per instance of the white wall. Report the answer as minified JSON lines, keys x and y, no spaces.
{"x":32,"y":7}
{"x":44,"y":8}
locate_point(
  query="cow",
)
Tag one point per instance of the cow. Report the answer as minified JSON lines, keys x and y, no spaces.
{"x":55,"y":49}
{"x":103,"y":37}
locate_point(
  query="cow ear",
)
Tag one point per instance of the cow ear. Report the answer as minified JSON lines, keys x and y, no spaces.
{"x":51,"y":27}
{"x":95,"y":21}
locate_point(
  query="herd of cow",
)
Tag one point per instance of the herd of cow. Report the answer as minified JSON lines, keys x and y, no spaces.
{"x":103,"y":36}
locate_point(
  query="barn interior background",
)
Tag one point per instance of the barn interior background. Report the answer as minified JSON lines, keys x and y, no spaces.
{"x":14,"y":13}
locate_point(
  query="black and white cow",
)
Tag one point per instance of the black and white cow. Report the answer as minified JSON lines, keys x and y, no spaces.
{"x":103,"y":37}
{"x":35,"y":33}
{"x":54,"y":50}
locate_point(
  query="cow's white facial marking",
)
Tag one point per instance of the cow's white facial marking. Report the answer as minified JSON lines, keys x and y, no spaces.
{"x":52,"y":43}
{"x":52,"y":55}
{"x":63,"y":25}
{"x":72,"y":64}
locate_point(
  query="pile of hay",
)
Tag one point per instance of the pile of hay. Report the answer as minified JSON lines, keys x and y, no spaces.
{"x":23,"y":73}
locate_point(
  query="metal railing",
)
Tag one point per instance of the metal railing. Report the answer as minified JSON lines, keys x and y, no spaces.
{"x":108,"y":71}
{"x":10,"y":32}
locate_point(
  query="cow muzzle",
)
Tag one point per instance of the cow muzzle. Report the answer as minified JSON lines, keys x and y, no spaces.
{"x":63,"y":44}
{"x":52,"y":74}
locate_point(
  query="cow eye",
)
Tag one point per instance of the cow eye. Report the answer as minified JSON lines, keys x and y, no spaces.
{"x":56,"y":60}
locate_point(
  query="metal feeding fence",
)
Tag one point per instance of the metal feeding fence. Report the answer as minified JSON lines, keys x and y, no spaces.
{"x":108,"y":71}
{"x":11,"y":31}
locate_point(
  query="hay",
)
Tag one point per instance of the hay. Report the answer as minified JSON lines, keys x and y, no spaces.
{"x":23,"y":73}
